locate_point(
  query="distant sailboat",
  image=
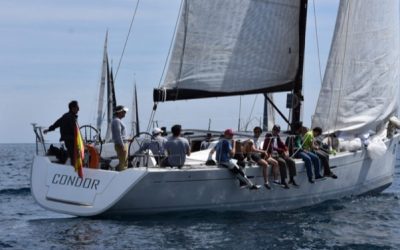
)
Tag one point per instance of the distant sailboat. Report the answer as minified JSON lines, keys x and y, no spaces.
{"x":238,"y":47}
{"x":103,"y":80}
{"x":106,"y":80}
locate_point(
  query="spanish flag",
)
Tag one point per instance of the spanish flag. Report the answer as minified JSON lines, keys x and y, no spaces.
{"x":79,"y":152}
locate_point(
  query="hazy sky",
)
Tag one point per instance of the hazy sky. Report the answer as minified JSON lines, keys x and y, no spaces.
{"x":51,"y":53}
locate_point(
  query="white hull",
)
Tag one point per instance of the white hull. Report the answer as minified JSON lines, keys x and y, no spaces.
{"x":198,"y":187}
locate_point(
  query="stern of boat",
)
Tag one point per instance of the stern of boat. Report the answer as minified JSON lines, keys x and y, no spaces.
{"x":58,"y":188}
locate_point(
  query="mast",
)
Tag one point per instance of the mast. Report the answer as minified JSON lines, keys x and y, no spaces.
{"x":298,"y":83}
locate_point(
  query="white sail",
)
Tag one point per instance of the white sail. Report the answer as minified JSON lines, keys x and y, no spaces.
{"x":111,"y":103}
{"x":135,"y":114}
{"x":100,"y":114}
{"x":269,"y":113}
{"x":232,"y":47}
{"x":361,"y":83}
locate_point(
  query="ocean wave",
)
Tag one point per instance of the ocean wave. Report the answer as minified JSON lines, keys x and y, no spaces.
{"x":15,"y":191}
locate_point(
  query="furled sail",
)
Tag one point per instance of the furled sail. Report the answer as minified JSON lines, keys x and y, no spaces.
{"x":233,"y":47}
{"x":361,"y":83}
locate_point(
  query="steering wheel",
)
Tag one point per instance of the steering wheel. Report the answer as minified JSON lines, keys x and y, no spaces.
{"x":135,"y":140}
{"x":91,"y":135}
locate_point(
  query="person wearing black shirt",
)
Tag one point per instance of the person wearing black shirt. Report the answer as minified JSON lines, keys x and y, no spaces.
{"x":67,"y":124}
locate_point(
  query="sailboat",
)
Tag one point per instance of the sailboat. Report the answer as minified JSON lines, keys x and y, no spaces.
{"x":239,"y":47}
{"x":107,"y":80}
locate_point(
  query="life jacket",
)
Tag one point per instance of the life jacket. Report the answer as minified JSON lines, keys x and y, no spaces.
{"x":94,"y":157}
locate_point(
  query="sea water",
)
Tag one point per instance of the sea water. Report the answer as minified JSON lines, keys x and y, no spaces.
{"x":366,"y":222}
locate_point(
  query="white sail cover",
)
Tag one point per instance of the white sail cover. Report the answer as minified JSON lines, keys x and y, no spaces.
{"x":361,"y":83}
{"x":229,"y":47}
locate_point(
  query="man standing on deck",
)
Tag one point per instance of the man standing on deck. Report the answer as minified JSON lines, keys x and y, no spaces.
{"x":119,"y":136}
{"x":67,"y":124}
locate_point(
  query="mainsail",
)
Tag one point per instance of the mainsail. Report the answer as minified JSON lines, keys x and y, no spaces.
{"x":233,"y":47}
{"x":361,"y":83}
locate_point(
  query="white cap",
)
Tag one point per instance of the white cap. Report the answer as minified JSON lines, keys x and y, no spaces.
{"x":156,"y":131}
{"x":120,"y":108}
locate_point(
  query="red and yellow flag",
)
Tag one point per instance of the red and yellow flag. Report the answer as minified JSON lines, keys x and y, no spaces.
{"x":79,"y":152}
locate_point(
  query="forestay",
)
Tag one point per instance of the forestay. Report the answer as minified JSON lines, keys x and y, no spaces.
{"x":361,"y":83}
{"x":232,"y":47}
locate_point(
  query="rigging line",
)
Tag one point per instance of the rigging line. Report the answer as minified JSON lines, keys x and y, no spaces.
{"x":252,"y":109}
{"x":126,"y":40}
{"x":165,"y":64}
{"x":171,"y":43}
{"x":240,"y":111}
{"x":342,"y":71}
{"x":317,"y":40}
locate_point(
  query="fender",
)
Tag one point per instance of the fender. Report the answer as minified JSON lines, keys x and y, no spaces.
{"x":94,"y":157}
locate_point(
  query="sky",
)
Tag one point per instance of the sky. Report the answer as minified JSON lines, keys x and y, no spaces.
{"x":51,"y":53}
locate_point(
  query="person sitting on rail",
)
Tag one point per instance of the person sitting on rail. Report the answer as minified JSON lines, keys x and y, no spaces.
{"x":308,"y":157}
{"x":225,"y":149}
{"x":258,"y":154}
{"x":253,"y":154}
{"x":311,"y":145}
{"x":274,"y":146}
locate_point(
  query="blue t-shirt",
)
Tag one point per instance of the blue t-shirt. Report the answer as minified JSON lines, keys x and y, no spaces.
{"x":223,"y":149}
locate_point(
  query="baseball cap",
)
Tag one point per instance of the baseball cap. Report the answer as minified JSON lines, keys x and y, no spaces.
{"x":120,"y":108}
{"x":228,"y":132}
